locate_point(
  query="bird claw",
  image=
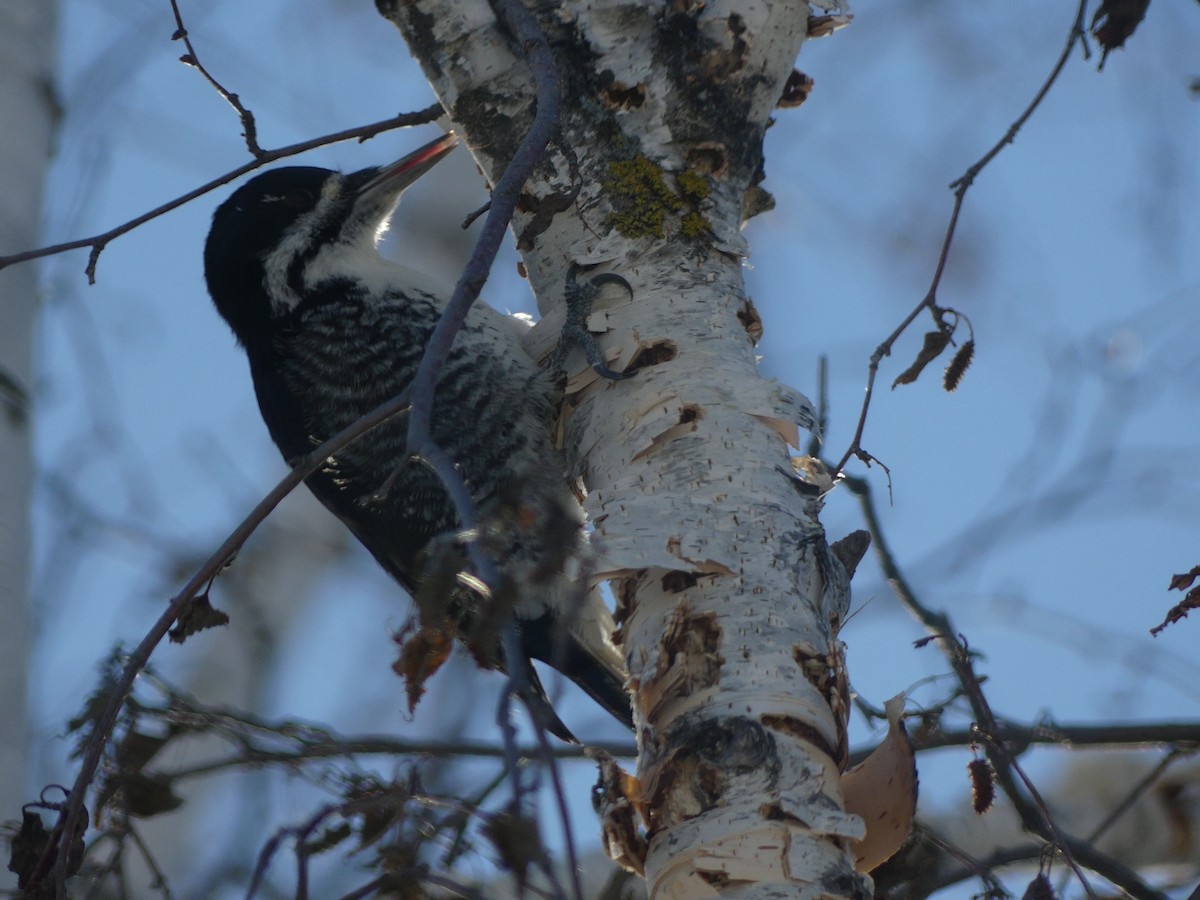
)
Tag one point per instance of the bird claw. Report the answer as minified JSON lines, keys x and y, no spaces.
{"x":611,"y":374}
{"x":579,"y":299}
{"x":598,"y":281}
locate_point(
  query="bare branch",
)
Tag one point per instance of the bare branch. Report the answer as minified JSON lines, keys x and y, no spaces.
{"x":1033,"y":813}
{"x":191,"y":58}
{"x":1077,"y":35}
{"x":1017,"y":734}
{"x":102,"y":728}
{"x":98,"y":242}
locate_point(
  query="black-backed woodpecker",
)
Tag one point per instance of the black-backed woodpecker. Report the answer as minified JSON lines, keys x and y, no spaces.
{"x":332,"y":330}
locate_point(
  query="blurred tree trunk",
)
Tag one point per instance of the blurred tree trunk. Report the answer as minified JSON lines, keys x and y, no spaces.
{"x":28,"y":116}
{"x":729,"y":595}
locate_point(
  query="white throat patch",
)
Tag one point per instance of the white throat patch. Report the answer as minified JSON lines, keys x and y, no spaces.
{"x":279,"y":262}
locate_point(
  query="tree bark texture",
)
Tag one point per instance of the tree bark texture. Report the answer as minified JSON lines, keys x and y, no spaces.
{"x":728,"y":594}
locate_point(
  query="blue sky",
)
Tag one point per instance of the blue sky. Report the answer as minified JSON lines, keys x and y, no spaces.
{"x":1044,"y":504}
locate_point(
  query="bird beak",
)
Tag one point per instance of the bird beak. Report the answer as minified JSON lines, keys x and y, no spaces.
{"x":392,"y":180}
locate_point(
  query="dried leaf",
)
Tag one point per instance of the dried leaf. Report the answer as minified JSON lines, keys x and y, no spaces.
{"x":1179,"y":611}
{"x":935,"y":343}
{"x":30,"y":843}
{"x":1039,"y":889}
{"x":329,"y":838}
{"x":1191,"y":600}
{"x":1115,"y":22}
{"x":1184,"y":580}
{"x":145,"y":795}
{"x":515,"y":837}
{"x":420,"y":657}
{"x":137,"y":749}
{"x":26,"y":847}
{"x":199,"y":615}
{"x":379,"y":807}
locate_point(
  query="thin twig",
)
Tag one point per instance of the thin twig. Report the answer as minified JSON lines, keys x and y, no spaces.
{"x":971,"y":867}
{"x":1080,"y":852}
{"x":458,"y":845}
{"x":375,"y":885}
{"x":1139,"y":736}
{"x":102,"y":727}
{"x":371,"y":806}
{"x":1034,"y":816}
{"x":1005,"y":764}
{"x":983,"y":869}
{"x":508,"y":736}
{"x":160,"y":877}
{"x":960,"y":187}
{"x":560,"y":796}
{"x":191,"y":58}
{"x":98,"y":242}
{"x":818,"y":434}
{"x":384,"y":746}
{"x":269,"y":849}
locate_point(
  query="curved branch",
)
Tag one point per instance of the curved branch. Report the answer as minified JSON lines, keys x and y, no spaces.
{"x":505,"y":196}
{"x":137,"y":660}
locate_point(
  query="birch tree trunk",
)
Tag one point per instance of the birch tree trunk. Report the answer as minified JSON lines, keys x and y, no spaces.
{"x":28,"y":115}
{"x":729,"y":596}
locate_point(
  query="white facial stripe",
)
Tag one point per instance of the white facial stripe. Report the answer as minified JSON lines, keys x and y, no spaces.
{"x":278,"y":263}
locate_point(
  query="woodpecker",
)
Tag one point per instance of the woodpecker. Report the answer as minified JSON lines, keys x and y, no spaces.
{"x":332,"y":330}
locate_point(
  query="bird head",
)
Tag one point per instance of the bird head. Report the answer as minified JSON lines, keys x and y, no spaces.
{"x":287,"y":230}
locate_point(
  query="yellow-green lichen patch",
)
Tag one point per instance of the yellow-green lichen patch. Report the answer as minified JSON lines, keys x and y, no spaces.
{"x":694,"y":225}
{"x":640,"y":197}
{"x":692,"y":185}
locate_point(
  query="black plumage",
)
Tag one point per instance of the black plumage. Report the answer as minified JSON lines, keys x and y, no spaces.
{"x":332,"y":330}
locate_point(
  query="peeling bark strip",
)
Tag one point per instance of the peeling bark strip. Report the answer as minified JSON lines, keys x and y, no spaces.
{"x":730,"y":596}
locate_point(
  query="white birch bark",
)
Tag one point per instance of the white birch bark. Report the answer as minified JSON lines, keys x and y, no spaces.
{"x":28,"y":115}
{"x":729,"y":595}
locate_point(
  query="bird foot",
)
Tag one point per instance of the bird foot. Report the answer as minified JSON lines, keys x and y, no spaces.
{"x":579,"y":299}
